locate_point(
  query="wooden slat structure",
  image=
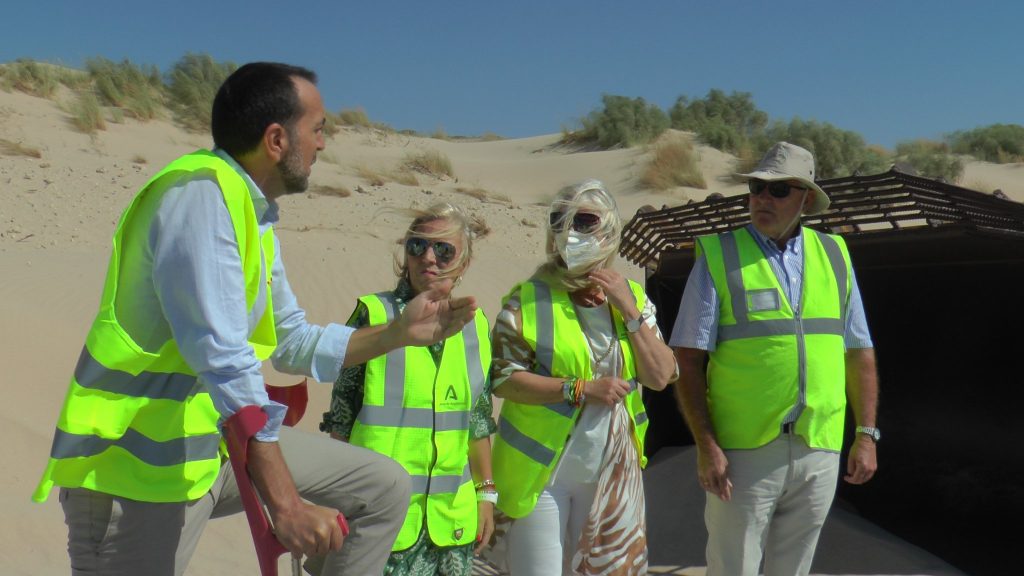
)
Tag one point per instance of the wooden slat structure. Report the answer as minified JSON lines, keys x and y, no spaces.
{"x":861,"y":205}
{"x":941,"y":272}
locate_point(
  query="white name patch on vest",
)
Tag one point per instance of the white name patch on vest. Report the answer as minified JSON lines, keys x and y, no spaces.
{"x":763,"y":300}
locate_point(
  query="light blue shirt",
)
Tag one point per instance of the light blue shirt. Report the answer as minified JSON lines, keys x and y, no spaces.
{"x":697,"y":321}
{"x":194,"y":291}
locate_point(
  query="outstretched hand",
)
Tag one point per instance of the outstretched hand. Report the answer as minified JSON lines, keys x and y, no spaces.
{"x":434,"y":315}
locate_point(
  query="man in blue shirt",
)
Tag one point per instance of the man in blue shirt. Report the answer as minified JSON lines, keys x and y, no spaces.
{"x":770,"y":485}
{"x":180,"y":291}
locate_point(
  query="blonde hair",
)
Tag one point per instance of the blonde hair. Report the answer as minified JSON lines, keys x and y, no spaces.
{"x":457,"y":223}
{"x":589,"y":196}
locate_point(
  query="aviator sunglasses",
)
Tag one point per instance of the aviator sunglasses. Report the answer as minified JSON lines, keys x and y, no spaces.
{"x":777,"y":189}
{"x":443,"y":251}
{"x":581,"y":222}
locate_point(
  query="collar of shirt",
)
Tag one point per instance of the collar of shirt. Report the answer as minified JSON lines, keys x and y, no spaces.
{"x":266,"y":210}
{"x":769,"y":247}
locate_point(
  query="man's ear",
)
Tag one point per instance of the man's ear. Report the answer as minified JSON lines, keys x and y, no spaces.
{"x":808,"y":200}
{"x":275,"y":141}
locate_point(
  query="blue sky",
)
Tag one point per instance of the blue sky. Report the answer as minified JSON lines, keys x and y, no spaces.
{"x":891,"y":70}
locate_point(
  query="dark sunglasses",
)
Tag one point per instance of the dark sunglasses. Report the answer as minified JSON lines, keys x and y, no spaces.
{"x":581,"y":222}
{"x":776,"y":189}
{"x":443,"y":251}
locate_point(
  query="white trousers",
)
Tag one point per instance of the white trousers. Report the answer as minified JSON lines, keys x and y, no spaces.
{"x":544,"y":542}
{"x":781,"y":495}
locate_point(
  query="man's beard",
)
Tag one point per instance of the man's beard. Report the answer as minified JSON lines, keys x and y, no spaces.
{"x":293,"y":172}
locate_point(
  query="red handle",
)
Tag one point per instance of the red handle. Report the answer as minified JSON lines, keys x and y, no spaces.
{"x":343,"y":524}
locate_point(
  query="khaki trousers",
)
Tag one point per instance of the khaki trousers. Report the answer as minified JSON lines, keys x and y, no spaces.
{"x":113,"y":536}
{"x":781,"y":495}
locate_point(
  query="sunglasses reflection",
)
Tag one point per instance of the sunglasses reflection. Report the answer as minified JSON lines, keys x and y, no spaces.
{"x":581,"y":221}
{"x":444,"y":252}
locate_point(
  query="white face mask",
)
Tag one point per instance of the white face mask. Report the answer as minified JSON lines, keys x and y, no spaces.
{"x":578,"y":250}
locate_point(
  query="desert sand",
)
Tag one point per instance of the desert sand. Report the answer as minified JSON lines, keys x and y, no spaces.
{"x":60,"y":209}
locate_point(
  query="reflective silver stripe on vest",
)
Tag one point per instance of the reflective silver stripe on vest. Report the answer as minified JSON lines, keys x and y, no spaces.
{"x":746,"y":328}
{"x":545,"y":328}
{"x":169,"y":453}
{"x":440,"y":484}
{"x":89,"y":373}
{"x":835,"y":258}
{"x":545,"y":352}
{"x":394,"y":368}
{"x":533,"y":450}
{"x":781,"y":327}
{"x":641,"y":417}
{"x":393,"y":413}
{"x":734,"y":278}
{"x":401,"y":417}
{"x":474,"y":369}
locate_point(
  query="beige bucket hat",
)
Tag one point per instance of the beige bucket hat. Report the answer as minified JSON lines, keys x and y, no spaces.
{"x":785,"y":161}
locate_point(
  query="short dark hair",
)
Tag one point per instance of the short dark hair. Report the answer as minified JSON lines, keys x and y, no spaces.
{"x":253,"y":97}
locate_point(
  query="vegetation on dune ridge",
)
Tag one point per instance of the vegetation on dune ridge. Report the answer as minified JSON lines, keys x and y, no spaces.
{"x":732,"y":123}
{"x":109,"y":91}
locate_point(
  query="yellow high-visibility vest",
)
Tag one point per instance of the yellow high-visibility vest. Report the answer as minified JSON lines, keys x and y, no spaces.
{"x":531,"y":437}
{"x":769,"y":357}
{"x":137,"y":423}
{"x":417,"y":412}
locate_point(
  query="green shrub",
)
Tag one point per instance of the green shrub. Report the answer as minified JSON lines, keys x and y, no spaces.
{"x":622,"y":122}
{"x":674,"y":164}
{"x":86,"y":114}
{"x":725,"y":122}
{"x":930,"y":159}
{"x":191,"y":85}
{"x":1000,"y":143}
{"x":133,"y":89}
{"x":836,"y":152}
{"x":430,"y":162}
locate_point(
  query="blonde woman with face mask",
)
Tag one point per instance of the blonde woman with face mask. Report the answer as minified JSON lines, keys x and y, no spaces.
{"x":427,"y":407}
{"x":572,"y":347}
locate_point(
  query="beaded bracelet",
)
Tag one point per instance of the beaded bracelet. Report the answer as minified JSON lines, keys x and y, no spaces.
{"x":572,"y":391}
{"x":484,"y":484}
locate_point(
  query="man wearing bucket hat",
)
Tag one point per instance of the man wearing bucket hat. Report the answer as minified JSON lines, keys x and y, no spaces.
{"x":776,"y":308}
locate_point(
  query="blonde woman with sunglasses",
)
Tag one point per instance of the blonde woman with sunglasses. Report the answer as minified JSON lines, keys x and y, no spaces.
{"x":427,"y":407}
{"x":572,"y":347}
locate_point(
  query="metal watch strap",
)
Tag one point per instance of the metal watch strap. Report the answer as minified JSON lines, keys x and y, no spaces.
{"x":870,"y":432}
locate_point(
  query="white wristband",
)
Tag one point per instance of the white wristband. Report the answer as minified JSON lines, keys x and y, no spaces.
{"x":487,"y":496}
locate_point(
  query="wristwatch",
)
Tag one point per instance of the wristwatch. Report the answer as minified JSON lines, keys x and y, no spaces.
{"x":635,"y":324}
{"x":871,"y":432}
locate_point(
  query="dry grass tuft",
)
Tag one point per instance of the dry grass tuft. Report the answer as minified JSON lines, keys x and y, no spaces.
{"x":86,"y":113}
{"x":674,"y":164}
{"x":8,"y":148}
{"x":483,"y":195}
{"x":336,"y":191}
{"x":372,"y":177}
{"x":354,"y":117}
{"x":430,"y":162}
{"x":405,"y":176}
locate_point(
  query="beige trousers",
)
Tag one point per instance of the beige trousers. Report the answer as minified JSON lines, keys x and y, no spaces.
{"x":113,"y":536}
{"x":781,"y":495}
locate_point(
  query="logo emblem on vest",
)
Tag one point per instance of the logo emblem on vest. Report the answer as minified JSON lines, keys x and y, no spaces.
{"x":451,"y":394}
{"x":457,"y":534}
